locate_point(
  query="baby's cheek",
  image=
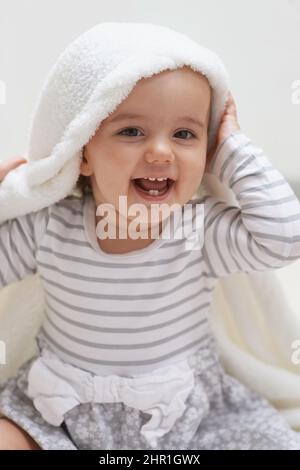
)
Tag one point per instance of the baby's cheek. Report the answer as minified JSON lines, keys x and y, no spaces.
{"x":197,"y":169}
{"x":196,"y":177}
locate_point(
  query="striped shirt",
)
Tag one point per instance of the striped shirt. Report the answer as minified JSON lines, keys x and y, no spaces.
{"x":134,"y":312}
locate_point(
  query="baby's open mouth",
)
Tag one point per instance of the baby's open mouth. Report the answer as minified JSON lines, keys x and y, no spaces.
{"x":153,"y":186}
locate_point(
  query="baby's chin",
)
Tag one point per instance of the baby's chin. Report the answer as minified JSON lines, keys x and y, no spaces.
{"x":145,"y":220}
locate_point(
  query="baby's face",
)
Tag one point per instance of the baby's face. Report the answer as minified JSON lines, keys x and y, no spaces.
{"x":159,"y":142}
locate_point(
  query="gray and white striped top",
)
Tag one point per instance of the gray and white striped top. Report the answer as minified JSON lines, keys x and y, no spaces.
{"x":131,"y":313}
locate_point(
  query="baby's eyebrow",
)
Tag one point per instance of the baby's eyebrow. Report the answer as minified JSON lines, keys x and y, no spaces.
{"x":122,"y":116}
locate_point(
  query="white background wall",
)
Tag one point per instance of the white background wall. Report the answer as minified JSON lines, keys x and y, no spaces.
{"x":259,"y":42}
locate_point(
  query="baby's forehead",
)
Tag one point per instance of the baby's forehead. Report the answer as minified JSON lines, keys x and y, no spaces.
{"x":185,"y":73}
{"x":181,"y":83}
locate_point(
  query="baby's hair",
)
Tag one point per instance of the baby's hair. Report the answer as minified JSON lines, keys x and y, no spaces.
{"x":84,"y":184}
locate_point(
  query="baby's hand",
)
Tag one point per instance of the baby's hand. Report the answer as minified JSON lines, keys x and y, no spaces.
{"x":229,"y":121}
{"x":7,"y":166}
{"x":228,"y":124}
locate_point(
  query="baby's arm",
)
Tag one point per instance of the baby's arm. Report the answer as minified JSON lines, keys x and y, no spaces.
{"x":18,"y":244}
{"x":19,"y":238}
{"x":264,"y":232}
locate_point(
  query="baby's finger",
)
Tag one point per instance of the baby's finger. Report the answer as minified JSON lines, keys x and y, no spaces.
{"x":9,"y":165}
{"x":231,"y":106}
{"x":12,"y":164}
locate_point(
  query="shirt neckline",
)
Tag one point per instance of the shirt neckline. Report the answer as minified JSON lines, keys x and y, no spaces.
{"x":89,"y":211}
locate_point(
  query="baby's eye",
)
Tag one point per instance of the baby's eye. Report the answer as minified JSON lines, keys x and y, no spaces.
{"x":129,"y":129}
{"x":185,"y":130}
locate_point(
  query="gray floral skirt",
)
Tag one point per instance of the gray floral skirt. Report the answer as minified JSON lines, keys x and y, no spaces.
{"x":220,"y":413}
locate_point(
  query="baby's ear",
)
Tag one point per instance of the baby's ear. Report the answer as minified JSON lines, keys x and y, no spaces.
{"x":84,"y":165}
{"x":85,"y":169}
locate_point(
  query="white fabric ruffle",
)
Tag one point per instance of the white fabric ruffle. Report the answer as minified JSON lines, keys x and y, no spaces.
{"x":56,"y":387}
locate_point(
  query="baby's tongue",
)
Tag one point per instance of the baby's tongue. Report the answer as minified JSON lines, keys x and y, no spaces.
{"x":147,"y":184}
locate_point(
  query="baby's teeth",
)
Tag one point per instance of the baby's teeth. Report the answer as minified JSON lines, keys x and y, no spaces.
{"x":153,"y":192}
{"x":155,"y":179}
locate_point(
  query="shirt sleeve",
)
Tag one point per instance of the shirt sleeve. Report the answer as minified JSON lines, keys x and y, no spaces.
{"x":19,"y":240}
{"x":263,"y":233}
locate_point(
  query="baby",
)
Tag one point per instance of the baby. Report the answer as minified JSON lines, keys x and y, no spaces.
{"x":126,"y":358}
